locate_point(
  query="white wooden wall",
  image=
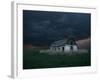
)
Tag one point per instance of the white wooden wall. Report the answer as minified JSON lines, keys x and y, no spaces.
{"x":66,"y":48}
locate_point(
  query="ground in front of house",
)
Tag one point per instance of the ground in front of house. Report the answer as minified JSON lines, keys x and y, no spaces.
{"x":33,"y":59}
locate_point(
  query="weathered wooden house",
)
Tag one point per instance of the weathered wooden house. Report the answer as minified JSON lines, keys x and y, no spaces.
{"x":64,"y":45}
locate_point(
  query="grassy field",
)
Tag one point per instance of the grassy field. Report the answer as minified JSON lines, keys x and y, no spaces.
{"x":33,"y":59}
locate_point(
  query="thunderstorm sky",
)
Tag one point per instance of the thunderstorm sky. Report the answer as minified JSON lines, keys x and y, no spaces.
{"x":44,"y":27}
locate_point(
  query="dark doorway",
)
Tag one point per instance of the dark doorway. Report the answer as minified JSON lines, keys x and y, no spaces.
{"x":71,"y":47}
{"x":62,"y":48}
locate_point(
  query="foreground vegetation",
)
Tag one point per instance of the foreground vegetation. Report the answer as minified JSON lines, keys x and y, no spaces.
{"x":32,"y":59}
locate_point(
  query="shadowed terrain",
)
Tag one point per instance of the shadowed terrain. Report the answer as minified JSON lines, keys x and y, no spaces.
{"x":33,"y":59}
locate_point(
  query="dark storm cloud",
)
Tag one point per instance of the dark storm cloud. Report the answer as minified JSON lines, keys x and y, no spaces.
{"x":42,"y":27}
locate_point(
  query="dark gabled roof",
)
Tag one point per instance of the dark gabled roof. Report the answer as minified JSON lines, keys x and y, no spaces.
{"x":63,"y":42}
{"x":58,"y":43}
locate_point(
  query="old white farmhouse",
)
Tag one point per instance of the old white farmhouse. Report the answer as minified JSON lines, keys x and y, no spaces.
{"x":64,"y":45}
